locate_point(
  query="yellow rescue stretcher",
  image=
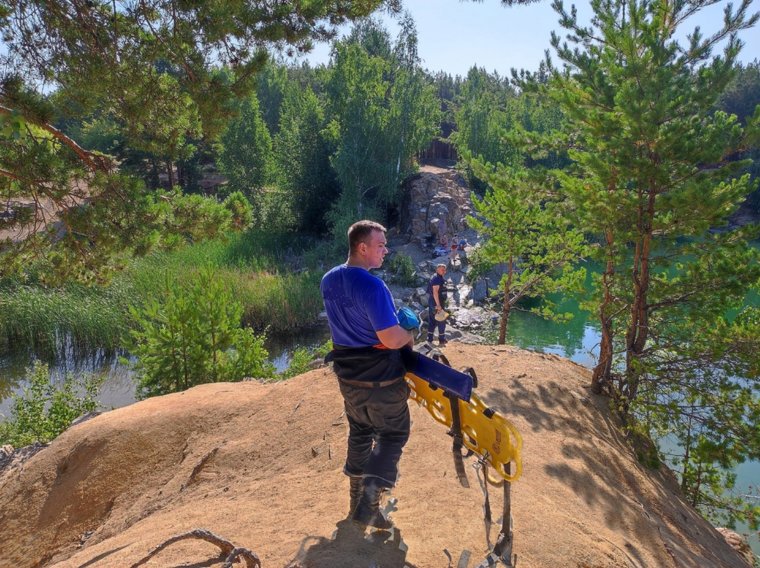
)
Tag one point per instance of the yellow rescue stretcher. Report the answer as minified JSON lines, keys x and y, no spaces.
{"x":483,"y":430}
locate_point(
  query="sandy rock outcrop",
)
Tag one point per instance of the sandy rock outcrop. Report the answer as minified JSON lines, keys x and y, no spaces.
{"x":260,"y":465}
{"x":738,"y":543}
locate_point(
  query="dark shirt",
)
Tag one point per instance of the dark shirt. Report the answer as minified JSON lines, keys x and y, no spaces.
{"x":436,"y":280}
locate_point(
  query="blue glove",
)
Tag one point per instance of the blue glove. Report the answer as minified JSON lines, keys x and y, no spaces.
{"x":408,"y":319}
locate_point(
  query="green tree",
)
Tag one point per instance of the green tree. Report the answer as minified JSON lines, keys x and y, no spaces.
{"x":481,"y":117}
{"x":415,"y":112}
{"x":383,"y":115}
{"x":165,"y":127}
{"x":152,"y":66}
{"x":90,"y":238}
{"x":501,"y":126}
{"x":272,"y":84}
{"x":742,"y":97}
{"x":302,"y":156}
{"x":650,"y":180}
{"x":45,"y":409}
{"x":193,"y":336}
{"x":245,"y":155}
{"x":357,"y":94}
{"x":525,"y":228}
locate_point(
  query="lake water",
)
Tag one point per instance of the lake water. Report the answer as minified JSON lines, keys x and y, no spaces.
{"x":577,"y":340}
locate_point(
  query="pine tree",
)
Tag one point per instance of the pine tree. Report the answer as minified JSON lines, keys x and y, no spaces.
{"x":303,"y":160}
{"x":245,"y":155}
{"x":525,"y":229}
{"x":153,"y":68}
{"x":651,"y":184}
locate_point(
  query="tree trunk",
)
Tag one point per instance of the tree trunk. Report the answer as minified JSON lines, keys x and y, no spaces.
{"x":181,"y":181}
{"x":686,"y":459}
{"x":506,"y":306}
{"x":638,"y":327}
{"x":603,"y":369}
{"x":95,"y":162}
{"x":155,"y":181}
{"x":170,"y":171}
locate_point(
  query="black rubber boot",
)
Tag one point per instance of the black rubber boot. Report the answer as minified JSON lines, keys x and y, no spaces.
{"x":355,"y":492}
{"x":442,"y":341}
{"x":368,"y":510}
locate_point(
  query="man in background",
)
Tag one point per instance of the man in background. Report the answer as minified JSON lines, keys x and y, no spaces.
{"x":436,"y":291}
{"x":366,"y":341}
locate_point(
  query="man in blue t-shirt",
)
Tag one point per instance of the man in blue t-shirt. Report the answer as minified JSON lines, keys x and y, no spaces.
{"x":366,"y":340}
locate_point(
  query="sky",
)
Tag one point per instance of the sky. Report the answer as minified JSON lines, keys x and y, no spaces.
{"x":454,"y":35}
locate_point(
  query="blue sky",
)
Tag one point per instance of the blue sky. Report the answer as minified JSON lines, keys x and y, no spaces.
{"x":454,"y":35}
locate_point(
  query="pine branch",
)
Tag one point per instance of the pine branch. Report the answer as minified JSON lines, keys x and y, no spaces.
{"x":93,"y":161}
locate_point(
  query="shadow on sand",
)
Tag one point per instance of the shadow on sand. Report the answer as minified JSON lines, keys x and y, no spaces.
{"x":350,"y":547}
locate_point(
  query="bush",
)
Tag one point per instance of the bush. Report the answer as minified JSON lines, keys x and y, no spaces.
{"x":45,"y":409}
{"x":193,"y":336}
{"x":302,"y":357}
{"x":402,"y":268}
{"x":241,"y":209}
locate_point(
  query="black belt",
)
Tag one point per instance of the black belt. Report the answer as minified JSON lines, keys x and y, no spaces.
{"x":371,"y":384}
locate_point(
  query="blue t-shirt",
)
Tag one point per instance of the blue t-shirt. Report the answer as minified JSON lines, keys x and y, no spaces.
{"x":358,"y":305}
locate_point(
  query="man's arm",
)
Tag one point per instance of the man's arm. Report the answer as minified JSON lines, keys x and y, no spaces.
{"x":436,"y":298}
{"x":395,"y":337}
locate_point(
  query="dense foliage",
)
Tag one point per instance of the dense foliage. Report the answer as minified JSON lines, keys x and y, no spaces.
{"x":526,"y":229}
{"x":154,"y":70}
{"x":79,"y":318}
{"x":741,"y":98}
{"x":385,"y":113}
{"x":245,"y":155}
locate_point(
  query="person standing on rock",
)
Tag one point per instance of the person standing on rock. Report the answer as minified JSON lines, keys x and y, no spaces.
{"x":436,"y":291}
{"x":366,"y":357}
{"x":454,"y":253}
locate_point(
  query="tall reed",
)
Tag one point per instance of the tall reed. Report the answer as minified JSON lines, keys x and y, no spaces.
{"x":256,"y":266}
{"x":54,"y":320}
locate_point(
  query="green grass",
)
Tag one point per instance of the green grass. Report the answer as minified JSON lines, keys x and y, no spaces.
{"x":256,"y":266}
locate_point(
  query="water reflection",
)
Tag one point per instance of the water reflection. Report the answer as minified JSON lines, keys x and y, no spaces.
{"x":119,"y":386}
{"x":577,"y":340}
{"x":117,"y":390}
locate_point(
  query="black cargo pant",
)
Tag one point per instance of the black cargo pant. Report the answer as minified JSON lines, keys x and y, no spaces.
{"x":378,"y":421}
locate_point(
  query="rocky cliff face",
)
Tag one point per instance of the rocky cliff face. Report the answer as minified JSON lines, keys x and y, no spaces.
{"x":260,"y":465}
{"x":436,"y":203}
